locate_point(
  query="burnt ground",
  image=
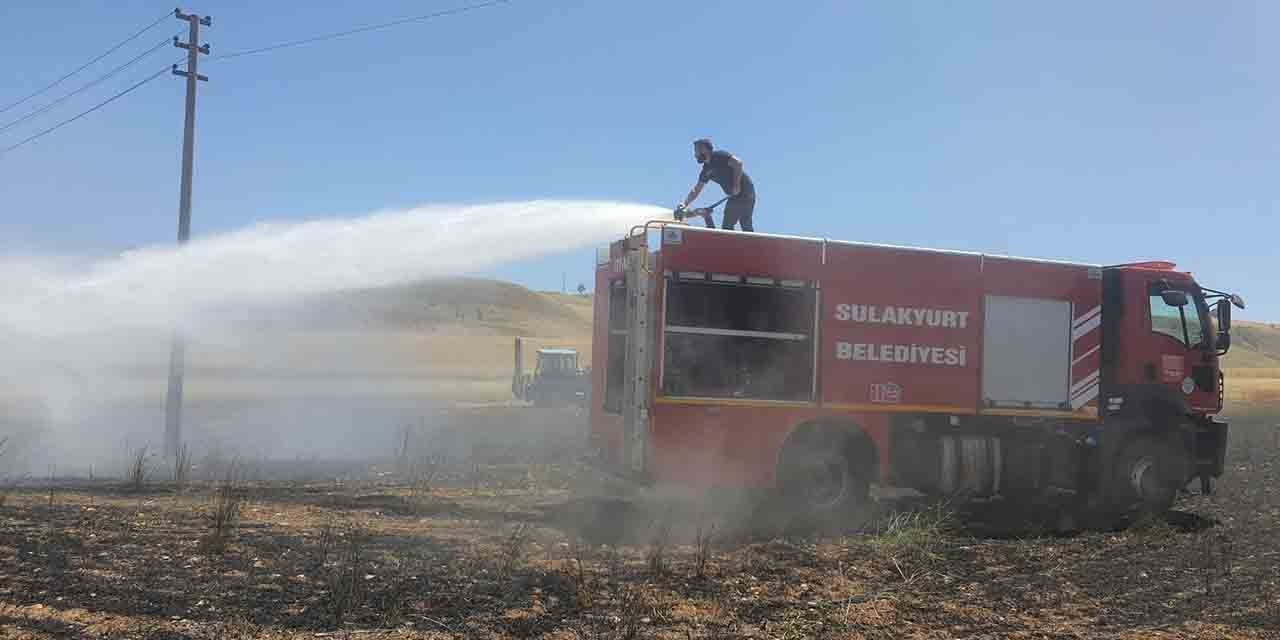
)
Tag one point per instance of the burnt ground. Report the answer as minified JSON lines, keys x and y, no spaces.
{"x":509,"y":548}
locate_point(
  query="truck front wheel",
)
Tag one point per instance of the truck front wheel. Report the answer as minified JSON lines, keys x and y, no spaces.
{"x":819,"y":480}
{"x":1145,"y":478}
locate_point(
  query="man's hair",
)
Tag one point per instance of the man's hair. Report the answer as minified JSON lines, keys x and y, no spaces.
{"x":704,"y":142}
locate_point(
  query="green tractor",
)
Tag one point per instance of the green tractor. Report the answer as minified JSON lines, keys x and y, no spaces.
{"x":557,"y":381}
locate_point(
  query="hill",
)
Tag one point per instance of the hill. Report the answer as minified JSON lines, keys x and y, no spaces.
{"x":1254,"y":345}
{"x":472,"y":305}
{"x":450,"y":339}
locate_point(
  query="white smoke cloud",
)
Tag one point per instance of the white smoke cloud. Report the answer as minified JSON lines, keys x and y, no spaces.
{"x":86,"y":342}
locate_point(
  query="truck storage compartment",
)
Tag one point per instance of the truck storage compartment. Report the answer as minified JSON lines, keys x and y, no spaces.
{"x":900,"y":327}
{"x":1026,"y":355}
{"x":617,"y":347}
{"x":728,"y":336}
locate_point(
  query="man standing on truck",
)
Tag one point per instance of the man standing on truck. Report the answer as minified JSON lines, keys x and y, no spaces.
{"x":726,"y":170}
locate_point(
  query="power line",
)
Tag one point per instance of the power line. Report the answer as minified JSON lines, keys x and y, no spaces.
{"x":87,"y":64}
{"x":90,"y":85}
{"x":372,"y":27}
{"x":166,"y":69}
{"x":283,"y":45}
{"x":178,"y":345}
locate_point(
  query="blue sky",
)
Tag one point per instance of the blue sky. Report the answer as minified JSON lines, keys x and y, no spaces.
{"x":1102,"y":132}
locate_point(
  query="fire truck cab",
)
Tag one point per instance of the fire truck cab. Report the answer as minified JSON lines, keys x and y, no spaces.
{"x":820,"y":367}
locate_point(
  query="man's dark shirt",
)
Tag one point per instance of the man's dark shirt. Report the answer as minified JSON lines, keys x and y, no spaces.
{"x":717,"y":169}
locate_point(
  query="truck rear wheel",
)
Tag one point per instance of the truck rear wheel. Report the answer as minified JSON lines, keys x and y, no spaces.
{"x":820,"y":481}
{"x":1145,"y":479}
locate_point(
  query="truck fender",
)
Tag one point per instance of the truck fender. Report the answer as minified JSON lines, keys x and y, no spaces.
{"x":854,"y":442}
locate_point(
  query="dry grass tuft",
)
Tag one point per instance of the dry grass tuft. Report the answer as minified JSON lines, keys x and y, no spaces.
{"x":703,"y":546}
{"x":404,"y":450}
{"x":138,"y":469}
{"x":6,"y":486}
{"x":325,"y":542}
{"x":223,"y":514}
{"x":182,"y":467}
{"x":922,"y":528}
{"x":631,"y":613}
{"x":656,"y":554}
{"x":404,"y":574}
{"x":579,"y":581}
{"x":422,"y":477}
{"x":910,"y":539}
{"x":513,"y":549}
{"x":346,"y":581}
{"x":613,"y":562}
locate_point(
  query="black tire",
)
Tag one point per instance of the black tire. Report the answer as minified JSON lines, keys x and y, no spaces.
{"x":820,"y":482}
{"x":1145,"y":479}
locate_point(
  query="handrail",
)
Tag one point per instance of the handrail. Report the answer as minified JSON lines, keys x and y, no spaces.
{"x":645,"y":226}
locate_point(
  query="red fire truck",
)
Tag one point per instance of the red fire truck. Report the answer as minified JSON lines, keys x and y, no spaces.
{"x":821,"y":367}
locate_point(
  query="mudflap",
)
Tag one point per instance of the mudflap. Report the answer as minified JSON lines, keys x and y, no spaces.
{"x":1211,"y":447}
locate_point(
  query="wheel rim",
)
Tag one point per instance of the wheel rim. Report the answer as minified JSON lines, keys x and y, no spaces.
{"x":1145,"y":480}
{"x":825,"y":482}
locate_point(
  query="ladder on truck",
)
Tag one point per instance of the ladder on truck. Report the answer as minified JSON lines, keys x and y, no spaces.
{"x":639,"y":359}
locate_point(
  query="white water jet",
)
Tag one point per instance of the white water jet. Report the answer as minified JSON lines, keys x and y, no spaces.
{"x":160,"y":287}
{"x":87,"y":341}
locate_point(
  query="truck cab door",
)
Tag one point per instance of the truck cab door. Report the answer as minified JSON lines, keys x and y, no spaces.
{"x":1189,"y":360}
{"x":1167,"y":344}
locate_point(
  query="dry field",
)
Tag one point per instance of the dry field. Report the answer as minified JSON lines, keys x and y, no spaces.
{"x":507,"y":543}
{"x":1252,"y":390}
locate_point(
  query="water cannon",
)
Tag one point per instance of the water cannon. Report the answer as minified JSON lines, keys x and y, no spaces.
{"x":683,"y":212}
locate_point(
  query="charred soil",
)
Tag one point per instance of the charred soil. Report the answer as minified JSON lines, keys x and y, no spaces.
{"x":511,"y":549}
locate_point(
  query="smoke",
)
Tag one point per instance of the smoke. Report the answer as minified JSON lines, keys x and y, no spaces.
{"x":81,"y":338}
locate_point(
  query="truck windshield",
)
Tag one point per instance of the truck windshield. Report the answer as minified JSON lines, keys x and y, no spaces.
{"x":553,"y":364}
{"x":1183,"y":324}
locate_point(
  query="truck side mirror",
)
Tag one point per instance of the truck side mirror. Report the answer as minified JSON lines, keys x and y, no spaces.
{"x":1174,"y":298}
{"x":1224,"y":326}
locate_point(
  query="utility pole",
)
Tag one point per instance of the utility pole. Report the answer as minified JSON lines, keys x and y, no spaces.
{"x":178,"y":347}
